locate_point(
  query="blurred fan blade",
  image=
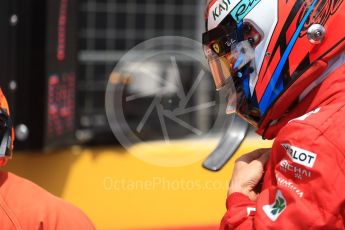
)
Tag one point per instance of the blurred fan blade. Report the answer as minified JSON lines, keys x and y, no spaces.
{"x":228,"y":145}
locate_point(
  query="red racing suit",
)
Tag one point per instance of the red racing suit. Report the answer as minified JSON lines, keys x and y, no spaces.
{"x":304,"y":182}
{"x":26,"y":206}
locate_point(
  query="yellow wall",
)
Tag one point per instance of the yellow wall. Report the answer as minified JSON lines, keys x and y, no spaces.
{"x":119,"y":191}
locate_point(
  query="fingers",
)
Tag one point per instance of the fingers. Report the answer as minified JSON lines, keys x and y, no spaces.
{"x":264,"y":157}
{"x":248,"y":171}
{"x":256,"y":154}
{"x":257,"y":159}
{"x":261,"y":161}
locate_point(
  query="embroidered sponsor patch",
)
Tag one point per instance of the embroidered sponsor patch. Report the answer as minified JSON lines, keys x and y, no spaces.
{"x":251,"y":211}
{"x":274,"y":210}
{"x":290,"y":185}
{"x":300,"y":156}
{"x":298,"y":172}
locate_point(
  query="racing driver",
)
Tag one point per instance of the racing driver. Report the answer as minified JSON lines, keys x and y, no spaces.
{"x":283,"y":63}
{"x":23,"y":204}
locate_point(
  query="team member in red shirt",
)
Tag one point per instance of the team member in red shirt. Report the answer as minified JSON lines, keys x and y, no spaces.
{"x":285,"y":62}
{"x":23,"y":204}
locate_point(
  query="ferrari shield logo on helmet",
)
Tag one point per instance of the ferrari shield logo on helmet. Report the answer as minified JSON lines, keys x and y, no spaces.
{"x":216,"y":48}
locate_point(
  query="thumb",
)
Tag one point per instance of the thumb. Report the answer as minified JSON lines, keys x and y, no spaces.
{"x":264,"y":158}
{"x":261,"y":161}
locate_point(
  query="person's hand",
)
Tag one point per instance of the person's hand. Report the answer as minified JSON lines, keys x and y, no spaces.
{"x":248,"y":172}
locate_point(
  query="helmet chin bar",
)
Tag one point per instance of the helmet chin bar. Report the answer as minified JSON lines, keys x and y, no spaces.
{"x":231,"y":140}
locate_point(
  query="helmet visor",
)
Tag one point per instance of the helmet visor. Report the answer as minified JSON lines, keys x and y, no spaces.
{"x":228,"y":65}
{"x":230,"y":52}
